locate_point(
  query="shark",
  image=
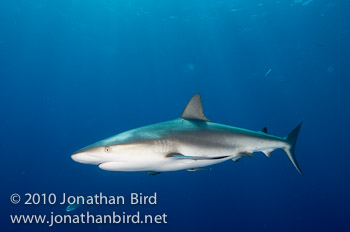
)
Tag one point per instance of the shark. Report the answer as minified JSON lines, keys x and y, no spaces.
{"x":189,"y":142}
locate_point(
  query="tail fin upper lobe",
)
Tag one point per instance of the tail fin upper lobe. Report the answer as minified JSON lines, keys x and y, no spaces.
{"x":291,"y":139}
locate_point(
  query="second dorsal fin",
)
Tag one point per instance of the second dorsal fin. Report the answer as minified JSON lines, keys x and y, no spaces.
{"x":264,"y":130}
{"x":194,"y":109}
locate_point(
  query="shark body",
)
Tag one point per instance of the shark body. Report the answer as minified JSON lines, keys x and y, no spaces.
{"x":187,"y":143}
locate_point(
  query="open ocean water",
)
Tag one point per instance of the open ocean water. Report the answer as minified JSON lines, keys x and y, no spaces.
{"x":73,"y":72}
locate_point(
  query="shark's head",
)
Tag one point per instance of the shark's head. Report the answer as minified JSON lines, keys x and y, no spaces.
{"x":123,"y":152}
{"x":93,"y":154}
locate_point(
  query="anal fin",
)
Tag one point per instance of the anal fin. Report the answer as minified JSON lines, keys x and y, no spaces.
{"x":267,"y":152}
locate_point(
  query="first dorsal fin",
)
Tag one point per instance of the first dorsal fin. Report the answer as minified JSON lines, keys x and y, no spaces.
{"x":194,"y":109}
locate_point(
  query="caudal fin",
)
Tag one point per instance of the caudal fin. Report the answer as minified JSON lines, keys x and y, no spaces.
{"x":291,"y":139}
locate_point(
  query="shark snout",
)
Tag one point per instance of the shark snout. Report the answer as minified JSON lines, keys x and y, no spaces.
{"x":85,"y":158}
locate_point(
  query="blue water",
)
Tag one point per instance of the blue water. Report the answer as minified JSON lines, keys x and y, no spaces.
{"x":73,"y":72}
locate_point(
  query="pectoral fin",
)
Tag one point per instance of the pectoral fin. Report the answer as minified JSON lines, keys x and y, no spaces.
{"x":198,"y":169}
{"x":151,"y":173}
{"x":181,"y":156}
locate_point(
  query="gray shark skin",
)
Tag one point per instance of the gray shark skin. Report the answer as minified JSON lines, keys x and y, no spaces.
{"x":186,"y":143}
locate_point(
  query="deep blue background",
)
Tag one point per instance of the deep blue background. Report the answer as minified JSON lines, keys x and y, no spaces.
{"x":74,"y":72}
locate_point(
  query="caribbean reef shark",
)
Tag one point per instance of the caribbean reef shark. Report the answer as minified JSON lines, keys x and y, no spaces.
{"x":186,"y":143}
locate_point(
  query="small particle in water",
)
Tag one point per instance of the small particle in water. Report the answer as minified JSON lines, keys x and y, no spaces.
{"x":330,"y":68}
{"x":190,"y":67}
{"x":268,"y":73}
{"x":74,"y":206}
{"x":306,"y":2}
{"x":235,"y":10}
{"x":320,"y":45}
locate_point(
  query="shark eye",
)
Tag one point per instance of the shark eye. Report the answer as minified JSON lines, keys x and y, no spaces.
{"x":107,"y":149}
